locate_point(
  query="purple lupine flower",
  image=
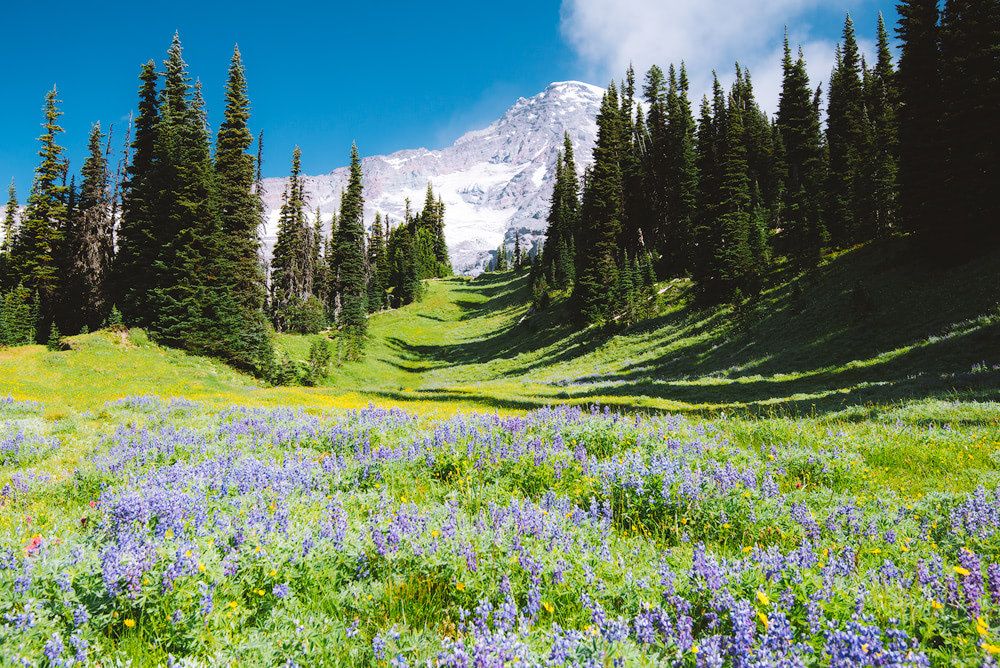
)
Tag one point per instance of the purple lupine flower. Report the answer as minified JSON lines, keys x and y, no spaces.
{"x":54,"y":648}
{"x":80,"y":616}
{"x":280,"y":590}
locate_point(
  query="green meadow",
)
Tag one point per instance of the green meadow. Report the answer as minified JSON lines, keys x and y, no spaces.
{"x":164,"y":509}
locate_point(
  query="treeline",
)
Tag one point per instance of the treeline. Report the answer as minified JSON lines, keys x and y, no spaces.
{"x":170,"y":240}
{"x":723,"y":198}
{"x":318,"y":280}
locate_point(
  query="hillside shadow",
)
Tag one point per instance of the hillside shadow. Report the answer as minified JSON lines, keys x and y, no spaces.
{"x":872,"y":325}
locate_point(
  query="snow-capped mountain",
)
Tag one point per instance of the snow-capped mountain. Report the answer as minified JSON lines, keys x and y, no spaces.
{"x":495,"y":182}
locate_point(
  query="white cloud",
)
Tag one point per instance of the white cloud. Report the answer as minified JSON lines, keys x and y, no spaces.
{"x":608,"y":35}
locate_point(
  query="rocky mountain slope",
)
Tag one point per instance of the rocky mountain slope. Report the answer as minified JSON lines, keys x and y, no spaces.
{"x":495,"y":182}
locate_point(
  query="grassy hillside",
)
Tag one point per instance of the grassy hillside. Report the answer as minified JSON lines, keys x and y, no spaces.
{"x":824,"y":462}
{"x":868,"y":327}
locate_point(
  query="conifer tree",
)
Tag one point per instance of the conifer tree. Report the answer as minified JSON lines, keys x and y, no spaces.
{"x":7,"y":229}
{"x":91,"y":247}
{"x":681,"y":173}
{"x":291,"y":261}
{"x":137,"y":247}
{"x":377,"y":266}
{"x":881,"y":102}
{"x":601,"y":218}
{"x":798,"y":124}
{"x":239,"y":222}
{"x":921,"y":148}
{"x":350,"y":254}
{"x":970,"y":79}
{"x":847,"y":140}
{"x":37,"y":243}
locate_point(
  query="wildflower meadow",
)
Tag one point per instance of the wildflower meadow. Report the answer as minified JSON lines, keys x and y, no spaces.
{"x":188,"y":536}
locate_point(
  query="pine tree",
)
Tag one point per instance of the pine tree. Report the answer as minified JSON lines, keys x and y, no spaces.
{"x":682,"y":174}
{"x":847,"y":139}
{"x":239,"y":222}
{"x":601,"y":218}
{"x":798,"y":124}
{"x":38,"y":240}
{"x":970,"y":76}
{"x":132,"y":275}
{"x":92,"y":244}
{"x":921,"y":149}
{"x":350,"y":253}
{"x":377,"y":266}
{"x":7,"y":231}
{"x":881,"y":102}
{"x":291,"y":270}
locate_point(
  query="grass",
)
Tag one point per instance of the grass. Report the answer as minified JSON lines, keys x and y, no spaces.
{"x":867,"y":383}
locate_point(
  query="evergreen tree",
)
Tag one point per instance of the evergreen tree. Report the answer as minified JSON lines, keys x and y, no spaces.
{"x":921,"y":152}
{"x":601,"y":218}
{"x":733,"y":252}
{"x":847,"y":140}
{"x":880,"y":100}
{"x":798,"y":124}
{"x":970,"y":76}
{"x":377,"y":266}
{"x":91,"y":246}
{"x":7,"y":229}
{"x":37,"y":243}
{"x":350,"y":254}
{"x":137,"y":247}
{"x":291,"y":261}
{"x":681,"y":173}
{"x":17,"y":320}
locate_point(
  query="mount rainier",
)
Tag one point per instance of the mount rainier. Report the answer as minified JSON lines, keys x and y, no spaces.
{"x":495,"y":183}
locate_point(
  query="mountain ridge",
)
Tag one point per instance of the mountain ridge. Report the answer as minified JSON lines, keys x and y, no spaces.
{"x":495,"y":182}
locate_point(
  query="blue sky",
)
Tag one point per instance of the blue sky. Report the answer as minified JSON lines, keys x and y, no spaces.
{"x":388,"y":75}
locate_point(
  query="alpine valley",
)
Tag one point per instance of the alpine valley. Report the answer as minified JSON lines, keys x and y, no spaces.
{"x":495,"y":183}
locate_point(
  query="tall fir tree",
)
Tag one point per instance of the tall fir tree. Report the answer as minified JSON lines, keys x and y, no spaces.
{"x":921,"y":148}
{"x":37,"y":244}
{"x":350,"y":270}
{"x":881,"y":159}
{"x":601,"y":218}
{"x":681,"y":174}
{"x":804,"y":233}
{"x":377,"y":266}
{"x":291,"y":261}
{"x":970,"y":79}
{"x":7,"y":229}
{"x":239,"y":223}
{"x":137,"y":248}
{"x":847,"y":141}
{"x":91,"y":247}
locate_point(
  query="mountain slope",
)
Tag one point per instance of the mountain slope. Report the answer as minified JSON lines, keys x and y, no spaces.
{"x":495,"y":182}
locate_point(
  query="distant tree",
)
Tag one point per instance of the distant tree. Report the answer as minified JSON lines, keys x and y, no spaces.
{"x":881,"y":168}
{"x":291,"y":261}
{"x":847,"y":140}
{"x":377,"y":267}
{"x":680,"y":163}
{"x":17,"y":320}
